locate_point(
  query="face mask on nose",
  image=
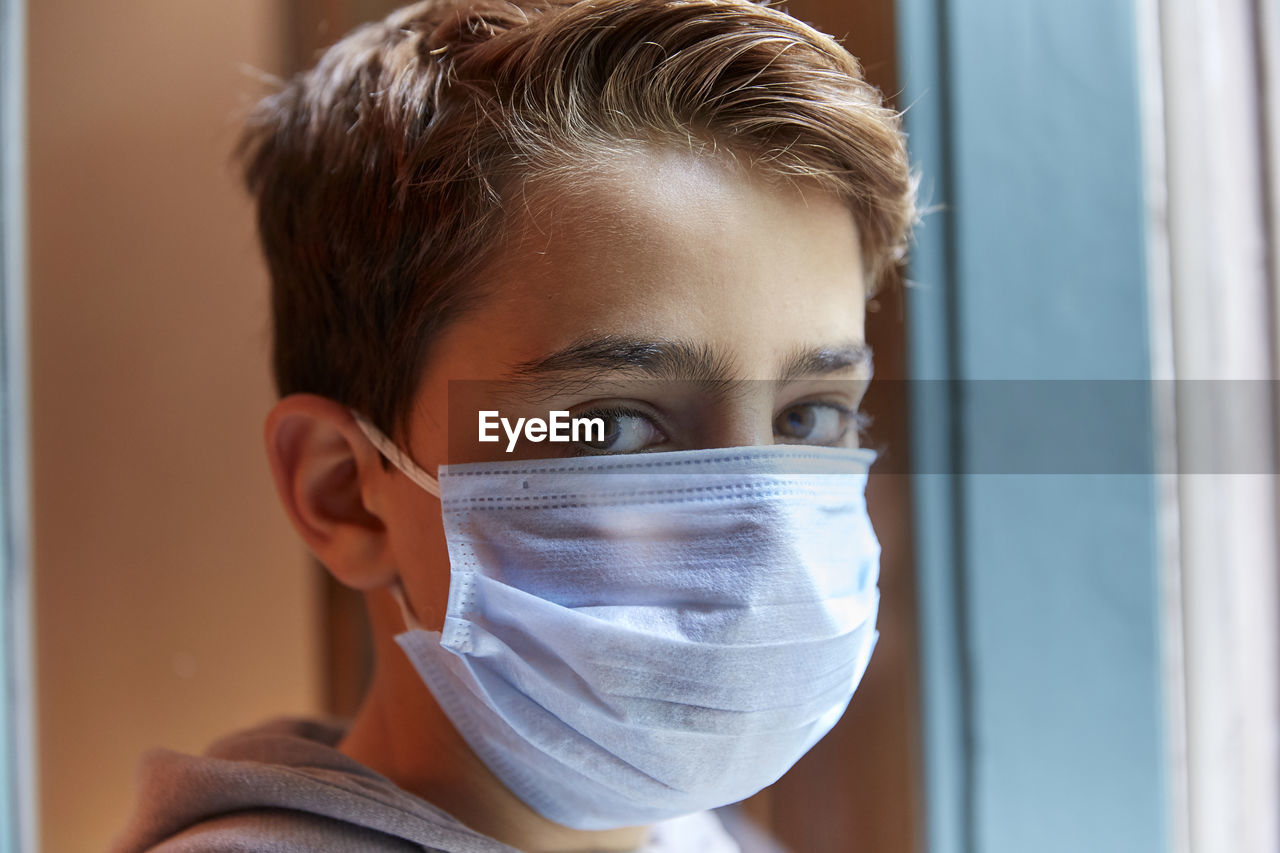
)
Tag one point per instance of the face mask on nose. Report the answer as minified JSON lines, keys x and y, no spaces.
{"x":635,"y":637}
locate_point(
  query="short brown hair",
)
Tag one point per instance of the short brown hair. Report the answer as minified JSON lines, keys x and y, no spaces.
{"x":381,"y":173}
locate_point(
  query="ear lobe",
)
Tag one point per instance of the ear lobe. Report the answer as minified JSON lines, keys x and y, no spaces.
{"x":323,"y":466}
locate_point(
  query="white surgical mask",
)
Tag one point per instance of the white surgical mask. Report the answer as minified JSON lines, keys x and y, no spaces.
{"x":630,"y":638}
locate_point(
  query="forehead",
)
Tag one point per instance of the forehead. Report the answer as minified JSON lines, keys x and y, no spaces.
{"x":681,"y":244}
{"x":663,"y":245}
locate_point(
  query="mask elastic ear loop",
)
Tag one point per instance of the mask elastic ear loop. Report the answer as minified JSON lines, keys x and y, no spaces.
{"x":398,"y":458}
{"x":410,"y":621}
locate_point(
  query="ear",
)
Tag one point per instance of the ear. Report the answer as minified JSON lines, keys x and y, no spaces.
{"x":327,"y":475}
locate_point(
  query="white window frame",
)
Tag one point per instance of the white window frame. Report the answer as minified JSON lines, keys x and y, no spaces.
{"x":1213,"y":107}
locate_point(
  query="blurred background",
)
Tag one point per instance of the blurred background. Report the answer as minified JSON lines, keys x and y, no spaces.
{"x":1075,"y":657}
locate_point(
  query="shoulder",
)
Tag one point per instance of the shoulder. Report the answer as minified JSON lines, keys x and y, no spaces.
{"x":282,"y":788}
{"x":283,"y":831}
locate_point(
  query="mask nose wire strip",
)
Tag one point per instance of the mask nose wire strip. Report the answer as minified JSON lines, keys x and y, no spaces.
{"x":398,"y":458}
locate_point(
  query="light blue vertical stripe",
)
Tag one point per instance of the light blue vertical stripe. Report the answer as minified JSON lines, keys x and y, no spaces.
{"x":16,"y":777}
{"x":1038,"y":593}
{"x":943,"y":660}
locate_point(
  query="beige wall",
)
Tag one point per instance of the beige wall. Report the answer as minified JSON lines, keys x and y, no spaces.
{"x":172,"y":601}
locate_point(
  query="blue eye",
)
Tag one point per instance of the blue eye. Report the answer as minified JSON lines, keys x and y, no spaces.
{"x":625,"y":431}
{"x":816,"y":422}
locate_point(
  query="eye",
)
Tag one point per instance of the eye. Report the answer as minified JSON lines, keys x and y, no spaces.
{"x":625,"y":431}
{"x":817,"y":422}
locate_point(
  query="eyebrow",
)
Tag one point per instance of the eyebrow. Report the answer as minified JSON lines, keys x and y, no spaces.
{"x":680,"y":360}
{"x":821,"y":361}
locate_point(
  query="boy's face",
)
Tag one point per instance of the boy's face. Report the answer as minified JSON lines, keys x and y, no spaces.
{"x":688,"y":304}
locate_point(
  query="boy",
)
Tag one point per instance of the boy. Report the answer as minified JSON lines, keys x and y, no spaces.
{"x":660,"y":218}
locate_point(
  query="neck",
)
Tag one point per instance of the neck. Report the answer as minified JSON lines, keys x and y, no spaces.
{"x":401,"y":733}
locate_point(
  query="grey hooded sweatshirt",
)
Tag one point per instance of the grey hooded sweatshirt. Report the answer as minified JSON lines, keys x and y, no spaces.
{"x":283,"y":787}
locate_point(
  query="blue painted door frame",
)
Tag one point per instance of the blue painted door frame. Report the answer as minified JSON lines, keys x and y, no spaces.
{"x":1039,"y":590}
{"x":14,"y":651}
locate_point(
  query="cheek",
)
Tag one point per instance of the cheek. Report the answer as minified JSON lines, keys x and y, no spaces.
{"x":421,"y":555}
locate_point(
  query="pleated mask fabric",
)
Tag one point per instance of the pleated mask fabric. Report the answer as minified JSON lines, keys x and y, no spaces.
{"x":636,"y":637}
